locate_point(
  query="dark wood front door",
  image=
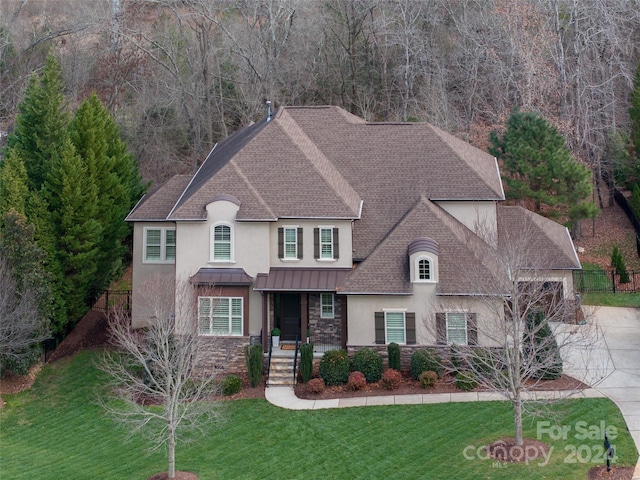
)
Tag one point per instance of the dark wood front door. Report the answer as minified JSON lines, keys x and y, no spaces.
{"x":289,"y":316}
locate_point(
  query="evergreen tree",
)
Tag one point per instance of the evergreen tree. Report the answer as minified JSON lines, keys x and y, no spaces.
{"x":541,"y":347}
{"x":635,"y":200}
{"x":618,"y":263}
{"x":72,"y":197}
{"x":538,"y":167}
{"x":13,"y":184}
{"x":97,"y":141}
{"x":41,"y":124}
{"x":634,"y":117}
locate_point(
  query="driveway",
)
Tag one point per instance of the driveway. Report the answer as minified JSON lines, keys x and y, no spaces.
{"x":613,"y":365}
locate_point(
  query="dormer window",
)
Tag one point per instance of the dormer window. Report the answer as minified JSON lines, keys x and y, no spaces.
{"x":424,"y":269}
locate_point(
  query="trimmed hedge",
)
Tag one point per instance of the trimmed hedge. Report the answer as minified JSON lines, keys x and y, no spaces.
{"x":428,"y":379}
{"x":306,"y":362}
{"x":425,"y":359}
{"x":334,"y":367}
{"x":357,"y":381}
{"x":316,"y":385}
{"x":393,"y":350}
{"x":253,"y":359}
{"x":369,"y":362}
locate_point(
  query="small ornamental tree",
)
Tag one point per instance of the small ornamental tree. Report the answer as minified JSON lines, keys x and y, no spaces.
{"x":393,"y":350}
{"x":306,"y":362}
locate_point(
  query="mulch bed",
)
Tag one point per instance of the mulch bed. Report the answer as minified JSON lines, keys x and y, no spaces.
{"x":505,"y":450}
{"x":616,"y":473}
{"x":179,"y":476}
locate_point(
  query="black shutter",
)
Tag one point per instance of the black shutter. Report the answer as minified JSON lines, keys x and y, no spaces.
{"x":300,"y":242}
{"x":316,"y":243}
{"x":379,"y":324}
{"x":280,"y":242}
{"x":410,"y":319}
{"x":472,"y":329}
{"x":441,"y":328}
{"x":336,"y":244}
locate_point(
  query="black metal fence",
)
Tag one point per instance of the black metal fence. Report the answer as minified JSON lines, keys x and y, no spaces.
{"x":112,"y":299}
{"x":600,"y":281}
{"x":323,"y":342}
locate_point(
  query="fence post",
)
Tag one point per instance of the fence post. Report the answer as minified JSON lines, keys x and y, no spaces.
{"x":613,"y":280}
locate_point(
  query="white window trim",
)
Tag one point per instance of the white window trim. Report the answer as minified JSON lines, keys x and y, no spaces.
{"x":320,"y":257}
{"x":213,"y":301}
{"x":163,"y":245}
{"x":466,"y":327}
{"x":333,"y":306}
{"x":286,"y":258}
{"x":417,"y":278}
{"x":404,"y":320}
{"x":212,"y":258}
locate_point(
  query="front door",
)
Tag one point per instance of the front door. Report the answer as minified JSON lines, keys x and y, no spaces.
{"x":289,"y":316}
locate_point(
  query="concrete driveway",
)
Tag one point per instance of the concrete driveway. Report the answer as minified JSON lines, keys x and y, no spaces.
{"x":612,"y":364}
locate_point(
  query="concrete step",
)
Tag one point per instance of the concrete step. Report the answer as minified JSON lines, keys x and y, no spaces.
{"x":281,"y":371}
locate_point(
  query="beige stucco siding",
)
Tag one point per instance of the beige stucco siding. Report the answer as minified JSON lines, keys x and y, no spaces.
{"x":479,"y":217}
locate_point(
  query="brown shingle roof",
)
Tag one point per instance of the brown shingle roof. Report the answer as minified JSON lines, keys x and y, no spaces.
{"x":157,"y":203}
{"x":546,"y":244}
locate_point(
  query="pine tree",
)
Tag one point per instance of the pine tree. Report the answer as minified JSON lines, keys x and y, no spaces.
{"x":541,"y":347}
{"x":97,"y":141}
{"x":41,"y":124}
{"x":538,"y":167}
{"x":634,"y":117}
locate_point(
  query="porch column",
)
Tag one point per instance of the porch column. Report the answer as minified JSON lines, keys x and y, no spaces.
{"x":343,"y":320}
{"x":265,"y":322}
{"x":304,"y":314}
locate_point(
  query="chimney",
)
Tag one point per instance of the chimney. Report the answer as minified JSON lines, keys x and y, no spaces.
{"x":268,"y":103}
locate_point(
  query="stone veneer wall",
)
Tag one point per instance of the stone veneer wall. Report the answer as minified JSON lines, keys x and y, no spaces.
{"x":225,"y":355}
{"x":406,"y":351}
{"x":331,"y":327}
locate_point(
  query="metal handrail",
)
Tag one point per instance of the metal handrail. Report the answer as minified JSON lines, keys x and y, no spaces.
{"x":269,"y":361}
{"x":295,"y":359}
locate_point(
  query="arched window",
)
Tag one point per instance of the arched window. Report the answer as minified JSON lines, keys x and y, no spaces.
{"x":221,"y":250}
{"x":424,"y":269}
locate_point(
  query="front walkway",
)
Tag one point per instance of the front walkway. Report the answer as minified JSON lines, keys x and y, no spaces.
{"x":614,"y":359}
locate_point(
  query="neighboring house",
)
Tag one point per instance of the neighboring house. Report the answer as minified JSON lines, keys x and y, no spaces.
{"x":315,"y":219}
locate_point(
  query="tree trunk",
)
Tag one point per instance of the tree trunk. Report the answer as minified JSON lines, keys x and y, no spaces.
{"x":171,"y":453}
{"x":517,"y":416}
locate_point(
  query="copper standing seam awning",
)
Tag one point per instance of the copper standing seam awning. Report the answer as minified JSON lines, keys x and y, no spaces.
{"x":282,"y":279}
{"x":221,"y":276}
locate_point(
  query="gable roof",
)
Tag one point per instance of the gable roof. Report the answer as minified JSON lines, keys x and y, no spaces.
{"x":539,"y":234}
{"x":323,"y":162}
{"x":159,"y":201}
{"x":460,"y":252}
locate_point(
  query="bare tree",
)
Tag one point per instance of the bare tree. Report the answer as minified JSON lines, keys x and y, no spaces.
{"x":21,"y":324}
{"x":520,"y":300}
{"x":160,"y":364}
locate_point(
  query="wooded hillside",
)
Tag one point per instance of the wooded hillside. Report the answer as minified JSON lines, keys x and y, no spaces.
{"x":178,"y":75}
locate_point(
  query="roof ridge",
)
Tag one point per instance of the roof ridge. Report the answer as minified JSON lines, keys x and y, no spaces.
{"x":251,"y":188}
{"x":327,"y":170}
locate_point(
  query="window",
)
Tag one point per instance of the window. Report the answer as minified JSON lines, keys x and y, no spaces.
{"x":424,"y":269}
{"x":221,"y":245}
{"x":220,"y":315}
{"x":290,"y":243}
{"x":326,"y":305}
{"x":325,"y":243}
{"x":456,"y":328}
{"x":159,"y":245}
{"x":394,"y":326}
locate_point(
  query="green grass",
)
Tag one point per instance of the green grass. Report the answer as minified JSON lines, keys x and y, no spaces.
{"x":620,"y":299}
{"x":56,"y":430}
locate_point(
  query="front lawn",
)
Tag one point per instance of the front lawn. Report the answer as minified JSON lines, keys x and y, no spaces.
{"x":57,"y":430}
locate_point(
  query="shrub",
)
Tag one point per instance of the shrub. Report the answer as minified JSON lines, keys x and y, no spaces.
{"x":306,"y":361}
{"x":425,"y":359}
{"x":466,"y":381}
{"x":456,"y":358}
{"x":357,"y":381}
{"x":231,"y":384}
{"x":369,"y":362}
{"x":428,"y":379}
{"x":391,"y":379}
{"x":393,"y":349}
{"x":541,"y":348}
{"x":619,"y":264}
{"x":334,"y":367}
{"x":253,"y":359}
{"x":485,"y":363}
{"x":316,"y":385}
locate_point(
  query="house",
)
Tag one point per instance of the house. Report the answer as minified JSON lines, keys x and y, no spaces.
{"x":362,"y":233}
